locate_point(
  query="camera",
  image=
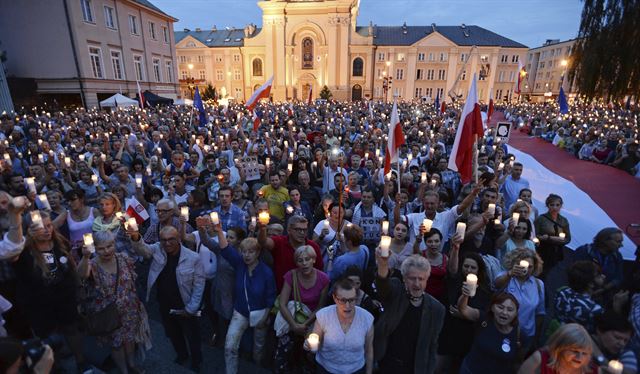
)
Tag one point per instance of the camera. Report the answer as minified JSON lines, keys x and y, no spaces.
{"x":35,"y":348}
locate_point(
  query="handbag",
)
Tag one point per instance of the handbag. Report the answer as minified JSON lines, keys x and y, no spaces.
{"x":255,"y":316}
{"x":106,"y":320}
{"x":299,"y":315}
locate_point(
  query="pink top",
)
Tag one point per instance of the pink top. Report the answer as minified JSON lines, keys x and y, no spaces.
{"x":310,"y":296}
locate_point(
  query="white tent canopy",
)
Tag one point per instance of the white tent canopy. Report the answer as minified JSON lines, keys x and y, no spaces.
{"x":118,"y":100}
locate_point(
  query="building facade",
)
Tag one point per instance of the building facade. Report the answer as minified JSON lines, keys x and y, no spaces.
{"x":546,"y":68}
{"x":83,"y":51}
{"x":306,"y":45}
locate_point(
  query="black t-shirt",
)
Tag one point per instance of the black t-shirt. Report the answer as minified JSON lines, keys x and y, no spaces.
{"x":401,"y":349}
{"x":168,"y":291}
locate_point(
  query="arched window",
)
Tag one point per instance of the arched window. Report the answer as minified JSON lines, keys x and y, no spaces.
{"x":358,"y":67}
{"x":307,"y":53}
{"x":257,"y":67}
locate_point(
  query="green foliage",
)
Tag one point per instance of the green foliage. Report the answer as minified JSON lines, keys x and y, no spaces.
{"x":325,"y":93}
{"x":605,"y":61}
{"x":209,"y":93}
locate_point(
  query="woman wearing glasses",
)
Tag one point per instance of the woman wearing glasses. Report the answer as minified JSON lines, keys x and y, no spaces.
{"x":346,"y":334}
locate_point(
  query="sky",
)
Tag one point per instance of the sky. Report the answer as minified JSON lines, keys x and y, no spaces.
{"x":529,"y":22}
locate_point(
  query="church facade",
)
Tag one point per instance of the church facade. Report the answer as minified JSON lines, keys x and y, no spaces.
{"x":307,"y":44}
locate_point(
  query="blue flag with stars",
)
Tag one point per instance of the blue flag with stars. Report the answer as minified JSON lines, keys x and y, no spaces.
{"x":562,"y":101}
{"x":197,"y":102}
{"x":437,"y":103}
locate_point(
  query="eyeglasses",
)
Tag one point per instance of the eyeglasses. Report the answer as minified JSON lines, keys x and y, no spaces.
{"x":299,"y":229}
{"x":164,"y":210}
{"x":343,"y":301}
{"x":168,"y":240}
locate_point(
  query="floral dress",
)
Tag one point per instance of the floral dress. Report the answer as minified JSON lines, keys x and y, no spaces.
{"x":133,"y":315}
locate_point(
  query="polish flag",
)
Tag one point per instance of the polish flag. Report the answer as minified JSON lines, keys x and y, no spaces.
{"x":136,"y":210}
{"x":396,"y":139}
{"x":290,"y":110}
{"x":310,"y":99}
{"x":489,"y":111}
{"x":261,"y":93}
{"x":521,"y":74}
{"x":443,"y":107}
{"x":469,"y":130}
{"x":256,"y":120}
{"x":140,"y":95}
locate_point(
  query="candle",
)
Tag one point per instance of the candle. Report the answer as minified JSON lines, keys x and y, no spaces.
{"x":500,"y":166}
{"x":94,"y":179}
{"x":461,"y":228}
{"x":385,"y":242}
{"x":184,"y":211}
{"x":427,"y":223}
{"x":385,"y":227}
{"x":313,"y":341}
{"x":423,"y":177}
{"x":511,"y":163}
{"x":264,"y":218}
{"x":496,"y":221}
{"x":615,"y":367}
{"x":44,"y":201}
{"x":81,"y":157}
{"x":118,"y":215}
{"x":7,"y":157}
{"x":290,"y":209}
{"x":88,"y":242}
{"x":253,"y":221}
{"x":215,"y":219}
{"x":267,"y":162}
{"x":314,"y":165}
{"x":472,"y":281}
{"x":103,"y":157}
{"x":139,"y":180}
{"x":433,"y":183}
{"x":562,"y":235}
{"x":67,"y":161}
{"x":491,"y":209}
{"x":133,"y":225}
{"x":36,"y":219}
{"x":31,"y":183}
{"x":40,"y":158}
{"x":524,"y":264}
{"x":290,"y":167}
{"x":515,"y":217}
{"x":325,"y":224}
{"x":536,"y":241}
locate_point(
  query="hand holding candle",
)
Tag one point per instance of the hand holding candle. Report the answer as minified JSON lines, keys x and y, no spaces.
{"x":461,"y":228}
{"x":427,"y":223}
{"x":515,"y":217}
{"x":313,"y":341}
{"x":31,"y":184}
{"x":42,"y":198}
{"x":184,"y":212}
{"x":615,"y":367}
{"x":385,"y":242}
{"x":472,"y":282}
{"x":88,"y":242}
{"x":491,"y":209}
{"x":264,"y":218}
{"x":132,"y":224}
{"x":36,"y":219}
{"x":215,"y":219}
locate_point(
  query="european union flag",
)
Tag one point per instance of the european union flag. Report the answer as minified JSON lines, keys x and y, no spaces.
{"x":437,"y":103}
{"x":562,"y":101}
{"x":197,"y":102}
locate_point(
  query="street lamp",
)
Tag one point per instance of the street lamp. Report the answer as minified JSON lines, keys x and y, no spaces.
{"x":564,"y":64}
{"x":386,"y":81}
{"x":191,"y":82}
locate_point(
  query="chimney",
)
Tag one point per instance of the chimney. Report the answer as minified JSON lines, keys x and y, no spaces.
{"x":433,"y":27}
{"x":370,"y":29}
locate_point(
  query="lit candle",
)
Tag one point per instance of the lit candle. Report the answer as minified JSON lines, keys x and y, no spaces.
{"x":215,"y":219}
{"x":615,"y":367}
{"x":385,"y":242}
{"x":290,"y":209}
{"x":423,"y":177}
{"x":88,"y":242}
{"x":184,"y":211}
{"x":7,"y":157}
{"x":253,"y":221}
{"x":491,"y":209}
{"x":313,"y":341}
{"x":500,"y":166}
{"x":385,"y":227}
{"x":40,"y":158}
{"x":427,"y":223}
{"x":133,"y":225}
{"x":267,"y":162}
{"x":461,"y":228}
{"x":325,"y":224}
{"x":118,"y":215}
{"x":81,"y":157}
{"x":472,"y":281}
{"x":264,"y":218}
{"x":524,"y":264}
{"x":290,"y":167}
{"x":496,"y":221}
{"x":94,"y":179}
{"x":44,"y":201}
{"x":103,"y":157}
{"x":36,"y":219}
{"x":562,"y":235}
{"x":139,"y":180}
{"x":433,"y":183}
{"x":536,"y":241}
{"x":31,"y":183}
{"x":515,"y":217}
{"x":67,"y":161}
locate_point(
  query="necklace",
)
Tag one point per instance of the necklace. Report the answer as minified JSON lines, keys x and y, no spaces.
{"x":414,"y":299}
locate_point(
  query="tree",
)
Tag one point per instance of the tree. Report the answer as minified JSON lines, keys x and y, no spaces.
{"x":209,"y":93}
{"x":605,"y":61}
{"x":325,"y":93}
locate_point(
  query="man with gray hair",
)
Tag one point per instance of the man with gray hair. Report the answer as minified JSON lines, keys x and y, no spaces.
{"x":605,"y":252}
{"x":166,"y":210}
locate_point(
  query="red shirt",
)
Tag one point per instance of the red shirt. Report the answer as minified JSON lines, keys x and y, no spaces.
{"x":283,"y":260}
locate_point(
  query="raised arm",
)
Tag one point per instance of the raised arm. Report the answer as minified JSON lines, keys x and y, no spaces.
{"x":264,"y":241}
{"x":138,"y":245}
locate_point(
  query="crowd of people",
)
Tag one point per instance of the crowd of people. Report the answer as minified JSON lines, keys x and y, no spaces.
{"x":293,"y":235}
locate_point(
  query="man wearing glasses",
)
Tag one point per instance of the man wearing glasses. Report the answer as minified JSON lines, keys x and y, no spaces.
{"x":179,"y":276}
{"x":166,"y":217}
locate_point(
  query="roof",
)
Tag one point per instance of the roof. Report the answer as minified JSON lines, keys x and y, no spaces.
{"x":469,"y":35}
{"x":217,"y":38}
{"x":554,"y":45}
{"x":148,"y":4}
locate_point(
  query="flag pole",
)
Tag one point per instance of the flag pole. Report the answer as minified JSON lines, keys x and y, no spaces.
{"x":399,"y":174}
{"x":475,"y":157}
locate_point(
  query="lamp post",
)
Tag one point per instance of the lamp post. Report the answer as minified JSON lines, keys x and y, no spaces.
{"x":387,"y":80}
{"x":191,"y":82}
{"x":564,"y":63}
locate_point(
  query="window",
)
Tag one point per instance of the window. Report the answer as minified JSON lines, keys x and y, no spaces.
{"x":380,"y":56}
{"x":96,"y":62}
{"x":552,"y":53}
{"x":238,"y":93}
{"x":430,"y":74}
{"x":429,"y":92}
{"x":157,"y":73}
{"x":443,"y":57}
{"x":379,"y":75}
{"x":421,"y":56}
{"x":133,"y":24}
{"x":165,"y":34}
{"x":504,"y":59}
{"x":202,"y":75}
{"x":431,"y":58}
{"x":358,"y":67}
{"x":398,"y":92}
{"x":139,"y":69}
{"x":183,"y":59}
{"x":152,"y":30}
{"x":515,"y":59}
{"x":87,"y":12}
{"x":442,"y":74}
{"x":399,"y":73}
{"x":512,"y":76}
{"x":377,"y":92}
{"x":236,"y":74}
{"x":169,"y":66}
{"x":116,"y":64}
{"x":498,"y":95}
{"x":257,"y":67}
{"x":307,"y":53}
{"x":440,"y":91}
{"x":236,"y":58}
{"x":219,"y":75}
{"x":200,"y":58}
{"x":418,"y":92}
{"x":501,"y":76}
{"x":400,"y":57}
{"x":464,"y":75}
{"x":183,"y":74}
{"x":551,"y":64}
{"x":419,"y":74}
{"x":567,"y":51}
{"x":109,"y":17}
{"x":218,"y":58}
{"x":463,"y":57}
{"x":537,"y":86}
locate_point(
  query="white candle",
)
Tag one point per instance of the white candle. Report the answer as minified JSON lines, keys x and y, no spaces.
{"x":215,"y":219}
{"x":267,"y":162}
{"x":385,"y":242}
{"x":81,"y":157}
{"x":433,"y":183}
{"x":88,"y":242}
{"x":423,"y":177}
{"x":7,"y":157}
{"x":253,"y":221}
{"x":40,"y":158}
{"x":313,"y":341}
{"x":314,"y":165}
{"x":139,"y":180}
{"x":44,"y":201}
{"x":290,"y":167}
{"x":264,"y":218}
{"x":472,"y":281}
{"x":325,"y":224}
{"x":103,"y":157}
{"x":31,"y":183}
{"x":615,"y":367}
{"x":118,"y":215}
{"x":461,"y":228}
{"x":36,"y":219}
{"x":184,"y":211}
{"x":290,"y":209}
{"x":385,"y":227}
{"x":491,"y":209}
{"x":500,"y":166}
{"x":133,"y":225}
{"x":94,"y":179}
{"x":536,"y":241}
{"x":515,"y":217}
{"x":524,"y":264}
{"x":562,"y":235}
{"x":496,"y":221}
{"x":67,"y":161}
{"x":427,"y":223}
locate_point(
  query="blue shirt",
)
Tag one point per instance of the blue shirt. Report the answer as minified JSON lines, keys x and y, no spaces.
{"x":610,"y":264}
{"x":359,"y":258}
{"x":530,"y":296}
{"x":260,"y":285}
{"x":235,"y":217}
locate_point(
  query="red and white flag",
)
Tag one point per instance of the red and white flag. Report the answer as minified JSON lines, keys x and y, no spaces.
{"x":140,"y":95}
{"x":261,"y":93}
{"x":310,"y":98}
{"x":396,"y":139}
{"x":136,"y":210}
{"x":521,"y":74}
{"x":489,"y":111}
{"x":469,"y":129}
{"x":443,"y":107}
{"x":290,"y":110}
{"x":256,"y":121}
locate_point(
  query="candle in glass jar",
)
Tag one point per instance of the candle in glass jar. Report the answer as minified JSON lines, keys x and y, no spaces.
{"x":184,"y":211}
{"x":423,"y":177}
{"x":524,"y":264}
{"x":264,"y":218}
{"x":36,"y":218}
{"x":88,"y":242}
{"x":562,"y":235}
{"x":385,"y":242}
{"x":215,"y":219}
{"x":491,"y":209}
{"x":139,"y":180}
{"x":472,"y":281}
{"x":515,"y":217}
{"x":31,"y":183}
{"x":313,"y":341}
{"x":385,"y":227}
{"x":44,"y":201}
{"x":461,"y":228}
{"x":133,"y":225}
{"x":67,"y":161}
{"x":615,"y":367}
{"x":427,"y":223}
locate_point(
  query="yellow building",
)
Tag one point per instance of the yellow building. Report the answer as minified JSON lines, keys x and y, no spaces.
{"x":546,"y":67}
{"x":306,"y":45}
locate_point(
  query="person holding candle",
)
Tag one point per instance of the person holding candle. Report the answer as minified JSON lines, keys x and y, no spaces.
{"x":548,"y":228}
{"x":437,"y":260}
{"x":524,"y":210}
{"x":228,"y":213}
{"x":495,"y":334}
{"x":568,"y":351}
{"x":13,"y":239}
{"x":400,"y":247}
{"x":345,"y":334}
{"x":110,"y":276}
{"x":511,"y":183}
{"x":523,"y":266}
{"x":610,"y":342}
{"x":326,"y":233}
{"x":516,"y":236}
{"x":276,"y":195}
{"x":167,"y":217}
{"x":77,"y":220}
{"x":295,"y":206}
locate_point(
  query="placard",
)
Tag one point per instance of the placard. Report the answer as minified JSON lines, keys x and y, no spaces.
{"x":503,"y":131}
{"x":250,"y":168}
